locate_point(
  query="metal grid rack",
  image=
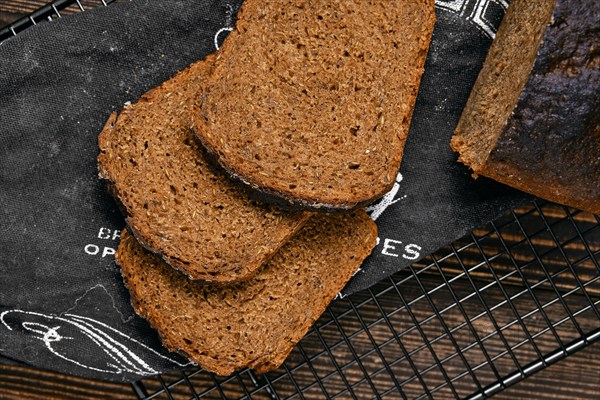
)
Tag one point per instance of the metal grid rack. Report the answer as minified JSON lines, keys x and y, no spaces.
{"x":52,"y":10}
{"x":479,"y":315}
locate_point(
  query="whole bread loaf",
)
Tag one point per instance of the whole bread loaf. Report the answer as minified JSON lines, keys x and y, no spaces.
{"x":254,"y":323}
{"x":310,"y":102}
{"x":533,"y":118}
{"x":177,"y":205}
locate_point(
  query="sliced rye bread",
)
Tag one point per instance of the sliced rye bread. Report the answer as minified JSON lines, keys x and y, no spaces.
{"x":533,"y":118}
{"x":255,"y":323}
{"x":176,"y":204}
{"x":310,"y":102}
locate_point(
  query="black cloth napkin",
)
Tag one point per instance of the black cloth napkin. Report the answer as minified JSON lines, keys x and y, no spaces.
{"x":63,"y":305}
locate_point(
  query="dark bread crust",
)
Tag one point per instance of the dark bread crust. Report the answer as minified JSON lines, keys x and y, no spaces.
{"x":328,"y":140}
{"x":196,"y":186}
{"x":269,"y":195}
{"x":255,"y":323}
{"x":550,"y":144}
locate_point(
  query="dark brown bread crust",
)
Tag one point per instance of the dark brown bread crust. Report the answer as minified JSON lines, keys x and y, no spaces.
{"x":310,"y":102}
{"x":254,"y":323}
{"x":550,"y":145}
{"x":176,"y":204}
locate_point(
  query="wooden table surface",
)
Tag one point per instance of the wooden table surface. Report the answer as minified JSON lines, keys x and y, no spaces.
{"x":576,"y":377}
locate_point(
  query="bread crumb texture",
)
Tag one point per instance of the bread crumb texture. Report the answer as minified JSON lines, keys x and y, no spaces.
{"x":312,"y":101}
{"x":176,"y":204}
{"x":254,"y":323}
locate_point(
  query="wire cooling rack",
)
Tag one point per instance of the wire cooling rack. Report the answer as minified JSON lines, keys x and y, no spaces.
{"x":52,"y":10}
{"x":479,"y":315}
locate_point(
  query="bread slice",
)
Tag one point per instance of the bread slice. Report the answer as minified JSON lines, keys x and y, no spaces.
{"x":533,"y":118}
{"x":311,"y":101}
{"x":193,"y":216}
{"x":254,"y":323}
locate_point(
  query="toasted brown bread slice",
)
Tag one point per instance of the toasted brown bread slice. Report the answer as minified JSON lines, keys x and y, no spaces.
{"x":254,"y":323}
{"x":177,"y":205}
{"x":311,"y":102}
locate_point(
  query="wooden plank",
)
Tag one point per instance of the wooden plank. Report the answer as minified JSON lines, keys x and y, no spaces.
{"x":444,"y":348}
{"x":336,"y":346}
{"x":575,"y":378}
{"x":7,"y":18}
{"x":17,"y":382}
{"x":12,"y":10}
{"x":580,"y":248}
